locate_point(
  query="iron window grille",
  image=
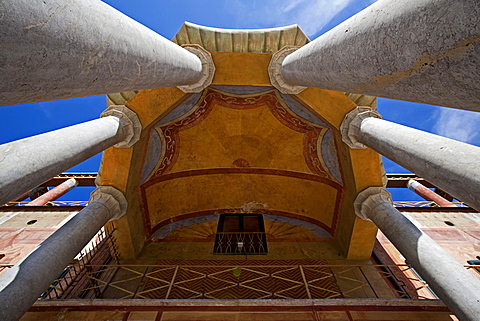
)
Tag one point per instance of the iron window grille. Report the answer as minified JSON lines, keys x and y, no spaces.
{"x":240,"y":234}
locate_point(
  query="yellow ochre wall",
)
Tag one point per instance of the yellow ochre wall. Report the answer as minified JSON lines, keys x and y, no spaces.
{"x":265,"y":143}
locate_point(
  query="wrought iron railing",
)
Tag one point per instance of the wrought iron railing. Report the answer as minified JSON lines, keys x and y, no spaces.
{"x":422,"y":204}
{"x":51,"y":203}
{"x":240,"y":243}
{"x":100,"y":250}
{"x":85,"y":203}
{"x":249,"y":282}
{"x":4,"y":267}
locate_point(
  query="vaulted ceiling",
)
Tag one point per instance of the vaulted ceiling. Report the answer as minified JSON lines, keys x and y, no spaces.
{"x":240,"y":146}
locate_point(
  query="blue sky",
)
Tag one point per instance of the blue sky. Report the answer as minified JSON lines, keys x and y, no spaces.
{"x":315,"y":17}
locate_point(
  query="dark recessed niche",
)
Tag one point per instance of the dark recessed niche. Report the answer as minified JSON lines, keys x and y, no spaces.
{"x":31,"y":222}
{"x":449,"y":223}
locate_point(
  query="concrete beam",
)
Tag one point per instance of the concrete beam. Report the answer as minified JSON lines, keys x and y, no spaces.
{"x":454,"y":285}
{"x":83,"y":179}
{"x":27,"y":163}
{"x":424,"y":51}
{"x":57,"y":49}
{"x":401,"y":180}
{"x":448,"y":164}
{"x":22,"y":284}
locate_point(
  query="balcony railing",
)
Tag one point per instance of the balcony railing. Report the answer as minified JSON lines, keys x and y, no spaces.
{"x":4,"y":267}
{"x":101,"y":249}
{"x":422,"y":204}
{"x":240,"y":243}
{"x":247,"y":282}
{"x":52,"y":203}
{"x":85,"y":203}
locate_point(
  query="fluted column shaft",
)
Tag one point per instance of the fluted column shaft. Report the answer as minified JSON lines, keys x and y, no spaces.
{"x":454,"y":285}
{"x":21,"y":285}
{"x":56,"y":49}
{"x":27,"y":163}
{"x":452,"y":166}
{"x":417,"y":50}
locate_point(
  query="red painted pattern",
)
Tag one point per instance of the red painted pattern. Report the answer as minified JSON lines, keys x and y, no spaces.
{"x":270,"y":99}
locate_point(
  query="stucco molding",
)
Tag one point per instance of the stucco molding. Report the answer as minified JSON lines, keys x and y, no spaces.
{"x":208,"y":69}
{"x":240,"y":40}
{"x":275,"y":73}
{"x":370,"y":198}
{"x":350,"y":127}
{"x":121,"y":98}
{"x":112,"y":199}
{"x":130,"y":128}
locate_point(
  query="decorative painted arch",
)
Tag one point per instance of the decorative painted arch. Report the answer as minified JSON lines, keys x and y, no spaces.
{"x":319,"y":146}
{"x":279,"y":226}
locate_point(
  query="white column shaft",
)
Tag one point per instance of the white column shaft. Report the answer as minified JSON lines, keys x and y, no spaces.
{"x":56,"y":49}
{"x":25,"y":282}
{"x":457,"y":287}
{"x":27,"y":163}
{"x":450,"y":165}
{"x":418,"y":50}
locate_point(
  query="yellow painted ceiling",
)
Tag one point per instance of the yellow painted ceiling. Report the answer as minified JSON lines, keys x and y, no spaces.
{"x":236,"y":148}
{"x":249,"y":152}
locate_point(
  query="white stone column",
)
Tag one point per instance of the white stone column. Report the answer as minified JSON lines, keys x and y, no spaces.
{"x":450,"y":165}
{"x":418,"y":50}
{"x":458,"y":288}
{"x":25,"y":282}
{"x":56,"y":49}
{"x":27,"y":163}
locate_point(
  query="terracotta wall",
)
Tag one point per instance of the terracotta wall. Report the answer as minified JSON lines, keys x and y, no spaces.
{"x":21,"y":231}
{"x":456,"y":230}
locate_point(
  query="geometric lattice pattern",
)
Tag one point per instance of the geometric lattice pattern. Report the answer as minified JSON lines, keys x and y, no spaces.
{"x":241,"y":280}
{"x":252,"y":279}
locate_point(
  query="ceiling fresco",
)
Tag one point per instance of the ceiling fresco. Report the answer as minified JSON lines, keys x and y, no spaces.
{"x":240,"y":146}
{"x":277,"y":227}
{"x":240,"y":149}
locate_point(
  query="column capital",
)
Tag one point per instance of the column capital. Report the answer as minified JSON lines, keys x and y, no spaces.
{"x":131,"y":126}
{"x":112,"y":199}
{"x":275,"y":73}
{"x":208,"y":69}
{"x":350,"y":127}
{"x":368,"y":199}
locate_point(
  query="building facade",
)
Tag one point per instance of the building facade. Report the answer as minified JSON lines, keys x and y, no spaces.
{"x":241,"y":175}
